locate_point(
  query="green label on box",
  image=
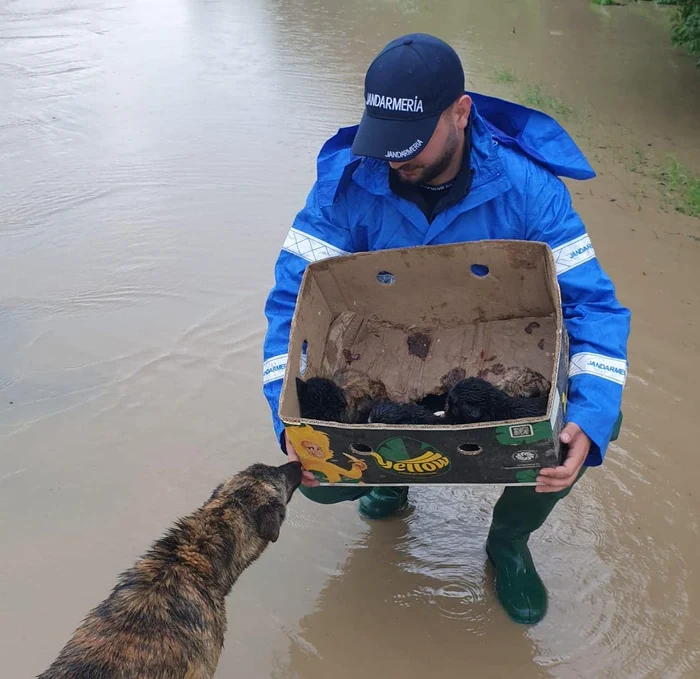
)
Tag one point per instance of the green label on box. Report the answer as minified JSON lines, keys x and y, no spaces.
{"x":516,"y":434}
{"x":410,"y":457}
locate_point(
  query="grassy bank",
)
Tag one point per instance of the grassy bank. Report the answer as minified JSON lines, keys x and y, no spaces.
{"x":685,"y":26}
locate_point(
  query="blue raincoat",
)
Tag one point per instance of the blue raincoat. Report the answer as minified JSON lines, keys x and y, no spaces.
{"x":518,"y":155}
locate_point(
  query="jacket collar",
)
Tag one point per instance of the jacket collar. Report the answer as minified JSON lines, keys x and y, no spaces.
{"x":373,"y":174}
{"x":497,"y":122}
{"x":337,"y":166}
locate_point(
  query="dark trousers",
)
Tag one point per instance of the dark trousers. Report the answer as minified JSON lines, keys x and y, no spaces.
{"x":520,"y":508}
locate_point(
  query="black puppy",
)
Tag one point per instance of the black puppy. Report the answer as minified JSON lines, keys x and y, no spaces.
{"x":389,"y":412}
{"x":346,"y":398}
{"x":321,"y":399}
{"x":476,"y":400}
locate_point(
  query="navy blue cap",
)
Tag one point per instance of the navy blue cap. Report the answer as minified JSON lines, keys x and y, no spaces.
{"x":407,"y":87}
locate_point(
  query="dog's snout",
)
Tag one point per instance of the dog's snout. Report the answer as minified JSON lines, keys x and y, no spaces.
{"x":293,"y":472}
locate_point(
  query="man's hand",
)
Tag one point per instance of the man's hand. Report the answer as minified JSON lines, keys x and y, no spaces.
{"x":553,"y":479}
{"x":307,"y":478}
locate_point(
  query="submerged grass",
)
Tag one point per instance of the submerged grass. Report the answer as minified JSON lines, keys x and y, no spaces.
{"x":678,"y":185}
{"x":536,"y":97}
{"x":504,"y":76}
{"x":681,"y":187}
{"x":531,"y":95}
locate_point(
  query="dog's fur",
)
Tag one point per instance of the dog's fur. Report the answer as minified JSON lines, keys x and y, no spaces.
{"x":433,"y":402}
{"x":476,"y":400}
{"x":517,"y":381}
{"x":166,"y":617}
{"x":346,"y":398}
{"x":360,"y":391}
{"x":321,"y":399}
{"x":389,"y":412}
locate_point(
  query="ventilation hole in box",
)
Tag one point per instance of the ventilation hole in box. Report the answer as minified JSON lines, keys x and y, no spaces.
{"x":469,"y":449}
{"x":302,"y":362}
{"x":360,"y":448}
{"x":479,"y":270}
{"x":386,"y":278}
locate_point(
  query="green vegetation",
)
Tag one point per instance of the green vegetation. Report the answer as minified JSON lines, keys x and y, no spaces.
{"x":530,"y":95}
{"x":638,"y":162}
{"x":535,"y":97}
{"x":504,"y":75}
{"x":681,"y":187}
{"x":685,"y":27}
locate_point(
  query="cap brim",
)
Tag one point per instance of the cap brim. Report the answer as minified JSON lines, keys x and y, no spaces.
{"x":393,"y":140}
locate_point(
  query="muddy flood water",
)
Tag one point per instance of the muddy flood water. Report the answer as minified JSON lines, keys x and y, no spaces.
{"x":153,"y":155}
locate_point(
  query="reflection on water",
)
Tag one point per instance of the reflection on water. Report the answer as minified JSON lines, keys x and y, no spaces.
{"x":417,"y":594}
{"x":152,"y":156}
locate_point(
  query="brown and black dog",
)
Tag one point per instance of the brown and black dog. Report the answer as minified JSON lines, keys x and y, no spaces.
{"x":166,"y":617}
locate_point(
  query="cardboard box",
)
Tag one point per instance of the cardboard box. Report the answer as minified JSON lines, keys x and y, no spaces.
{"x":408,"y":316}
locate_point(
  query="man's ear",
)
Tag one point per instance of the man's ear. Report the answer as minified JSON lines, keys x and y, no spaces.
{"x":464,"y":107}
{"x":268,"y":520}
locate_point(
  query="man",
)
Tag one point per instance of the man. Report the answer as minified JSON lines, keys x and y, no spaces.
{"x":431,"y":164}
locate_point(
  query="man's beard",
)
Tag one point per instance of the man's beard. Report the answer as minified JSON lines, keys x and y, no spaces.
{"x":426,"y":173}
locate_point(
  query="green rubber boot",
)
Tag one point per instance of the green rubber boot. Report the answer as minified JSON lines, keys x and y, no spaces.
{"x":518,"y":512}
{"x":383,"y":501}
{"x":518,"y":587}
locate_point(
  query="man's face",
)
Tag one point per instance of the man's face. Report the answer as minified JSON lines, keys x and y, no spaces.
{"x":438,"y":153}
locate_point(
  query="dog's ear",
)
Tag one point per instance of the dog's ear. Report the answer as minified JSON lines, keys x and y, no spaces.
{"x":301,"y":388}
{"x":215,"y":492}
{"x":268,"y":520}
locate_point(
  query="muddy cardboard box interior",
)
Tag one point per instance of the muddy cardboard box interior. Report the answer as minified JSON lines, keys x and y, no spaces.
{"x":411,"y":318}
